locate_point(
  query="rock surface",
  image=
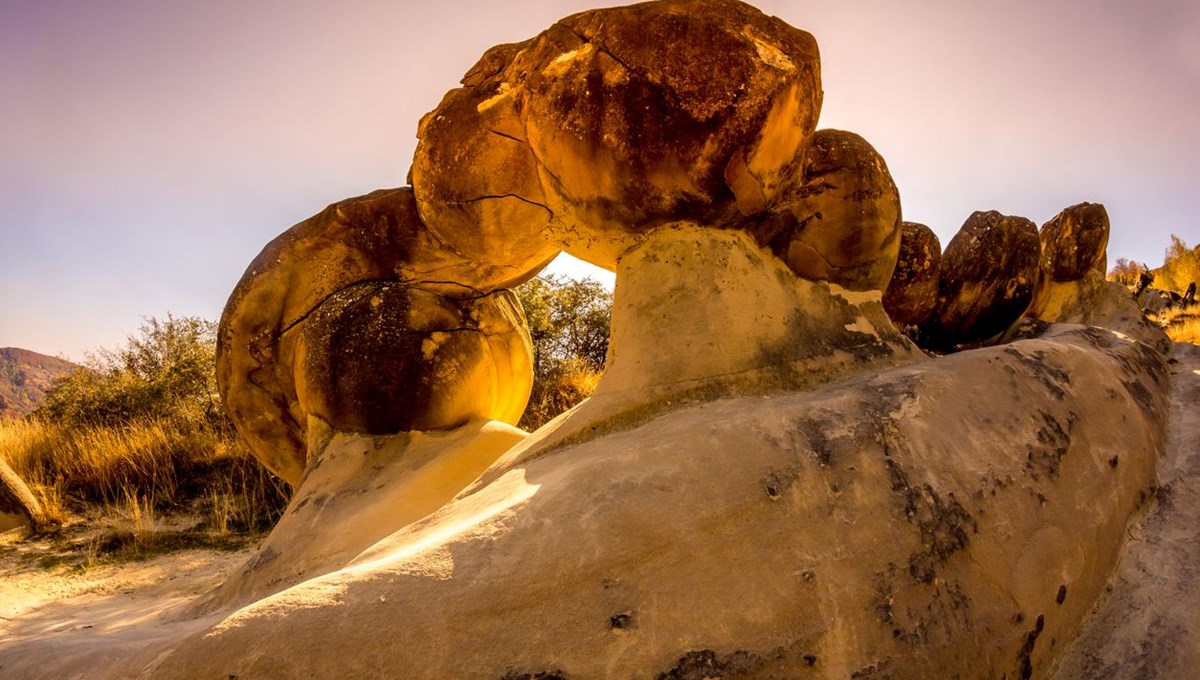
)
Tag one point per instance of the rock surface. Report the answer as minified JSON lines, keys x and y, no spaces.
{"x":847,"y":215}
{"x":615,"y":121}
{"x":989,"y":270}
{"x":912,"y":295}
{"x":371,"y":238}
{"x":1074,"y":242}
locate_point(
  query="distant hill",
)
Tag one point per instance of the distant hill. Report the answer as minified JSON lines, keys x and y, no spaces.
{"x":24,"y":378}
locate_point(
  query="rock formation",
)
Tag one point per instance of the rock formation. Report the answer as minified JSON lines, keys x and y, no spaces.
{"x":770,"y":479}
{"x":986,"y":281}
{"x":912,"y":294}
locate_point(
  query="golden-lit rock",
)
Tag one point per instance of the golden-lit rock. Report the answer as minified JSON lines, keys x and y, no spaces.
{"x":912,"y":294}
{"x":988,"y":274}
{"x":847,"y":215}
{"x":387,"y":357}
{"x":615,"y":121}
{"x":1075,"y":242}
{"x":376,"y":237}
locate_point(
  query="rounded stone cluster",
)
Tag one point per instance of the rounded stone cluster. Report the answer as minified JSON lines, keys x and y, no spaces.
{"x":590,"y":137}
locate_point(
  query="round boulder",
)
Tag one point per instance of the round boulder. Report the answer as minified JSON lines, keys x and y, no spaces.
{"x":613,"y":122}
{"x":1075,"y":242}
{"x":912,"y":295}
{"x":387,"y":357}
{"x":987,"y":279}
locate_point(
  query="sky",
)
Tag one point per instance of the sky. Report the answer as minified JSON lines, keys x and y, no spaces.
{"x":150,"y":148}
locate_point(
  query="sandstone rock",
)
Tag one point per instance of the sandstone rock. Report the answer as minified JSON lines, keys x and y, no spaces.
{"x":377,"y":237}
{"x":1093,"y":301}
{"x":1148,"y":622}
{"x":847,"y":214}
{"x":615,"y":121}
{"x":987,"y":279}
{"x":387,"y":357}
{"x":772,"y":535}
{"x":18,"y":506}
{"x":778,"y":332}
{"x":1074,"y":242}
{"x":912,"y":294}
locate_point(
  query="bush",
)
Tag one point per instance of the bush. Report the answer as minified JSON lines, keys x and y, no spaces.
{"x":167,"y":370}
{"x":142,"y":427}
{"x":569,"y":325}
{"x":1181,"y":266}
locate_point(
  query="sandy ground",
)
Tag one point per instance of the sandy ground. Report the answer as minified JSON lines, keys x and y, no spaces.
{"x":80,"y":617}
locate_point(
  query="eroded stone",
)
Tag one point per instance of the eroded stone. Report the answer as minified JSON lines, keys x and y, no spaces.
{"x":912,"y":294}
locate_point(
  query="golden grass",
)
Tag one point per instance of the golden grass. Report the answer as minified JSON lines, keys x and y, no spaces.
{"x":1181,"y":325}
{"x":133,"y":479}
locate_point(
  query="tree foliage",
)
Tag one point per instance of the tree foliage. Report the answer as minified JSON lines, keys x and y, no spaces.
{"x":1181,"y":266}
{"x":1126,"y":272}
{"x":166,"y":369}
{"x":569,"y":326}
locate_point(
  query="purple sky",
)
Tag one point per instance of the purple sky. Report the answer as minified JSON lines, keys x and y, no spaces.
{"x":149,"y":149}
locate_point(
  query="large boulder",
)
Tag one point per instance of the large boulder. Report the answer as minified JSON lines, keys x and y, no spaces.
{"x":987,"y":278}
{"x":912,"y":294}
{"x":615,"y":121}
{"x":847,"y":215}
{"x":1074,"y":242}
{"x":378,"y":237}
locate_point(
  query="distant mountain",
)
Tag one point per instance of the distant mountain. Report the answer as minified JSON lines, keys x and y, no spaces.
{"x":24,"y":378}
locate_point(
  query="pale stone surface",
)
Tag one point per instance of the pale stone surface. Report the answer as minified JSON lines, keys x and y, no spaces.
{"x":18,"y":506}
{"x":361,"y":489}
{"x":699,"y":313}
{"x":615,"y":121}
{"x":1148,"y":624}
{"x":911,"y":295}
{"x":768,"y":535}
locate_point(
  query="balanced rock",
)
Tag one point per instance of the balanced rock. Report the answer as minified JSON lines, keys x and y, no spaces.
{"x":912,"y":294}
{"x":987,"y":278}
{"x":847,"y":213}
{"x":1074,"y":242}
{"x":613,"y":122}
{"x":371,"y":238}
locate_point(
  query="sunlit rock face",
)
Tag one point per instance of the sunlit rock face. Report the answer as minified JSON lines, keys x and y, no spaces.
{"x":18,"y":506}
{"x":364,"y":240}
{"x":614,"y":121}
{"x":912,"y":294}
{"x":987,"y":278}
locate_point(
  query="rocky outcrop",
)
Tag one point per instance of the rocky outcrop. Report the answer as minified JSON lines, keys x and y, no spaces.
{"x":762,"y":532}
{"x":615,"y":121}
{"x":770,"y":480}
{"x":912,"y":294}
{"x":987,"y":278}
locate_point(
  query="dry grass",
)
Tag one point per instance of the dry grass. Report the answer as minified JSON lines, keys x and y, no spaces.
{"x":1182,"y":325}
{"x":149,"y":486}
